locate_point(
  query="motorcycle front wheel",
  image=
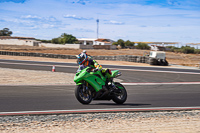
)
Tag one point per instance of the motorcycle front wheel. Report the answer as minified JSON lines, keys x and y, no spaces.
{"x":120,"y":94}
{"x":84,"y":96}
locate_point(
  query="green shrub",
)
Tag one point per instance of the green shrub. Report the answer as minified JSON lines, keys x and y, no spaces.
{"x":197,"y":51}
{"x":187,"y":49}
{"x":44,"y":41}
{"x":143,"y":46}
{"x":177,"y":50}
{"x":173,"y":49}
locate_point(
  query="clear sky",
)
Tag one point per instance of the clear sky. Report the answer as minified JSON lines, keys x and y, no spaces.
{"x":134,"y":20}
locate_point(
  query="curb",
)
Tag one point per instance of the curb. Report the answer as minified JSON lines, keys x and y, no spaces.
{"x":112,"y":110}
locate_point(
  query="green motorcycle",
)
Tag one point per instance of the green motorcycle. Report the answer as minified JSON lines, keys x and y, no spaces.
{"x":93,"y":85}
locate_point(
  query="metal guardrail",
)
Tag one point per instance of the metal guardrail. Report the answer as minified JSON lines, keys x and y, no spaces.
{"x":129,"y":58}
{"x":38,"y":55}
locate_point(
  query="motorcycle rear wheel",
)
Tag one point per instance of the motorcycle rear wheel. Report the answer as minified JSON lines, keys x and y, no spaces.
{"x":119,"y":97}
{"x":84,"y":97}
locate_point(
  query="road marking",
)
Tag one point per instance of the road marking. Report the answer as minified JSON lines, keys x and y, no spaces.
{"x":37,"y":84}
{"x":157,"y":71}
{"x":99,"y":110}
{"x":164,"y":83}
{"x":132,"y":83}
{"x":37,"y":64}
{"x":110,"y":68}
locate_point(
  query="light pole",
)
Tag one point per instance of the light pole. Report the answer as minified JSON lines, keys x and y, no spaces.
{"x":97,"y":28}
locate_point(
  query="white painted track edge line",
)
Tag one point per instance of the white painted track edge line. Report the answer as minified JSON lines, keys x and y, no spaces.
{"x":163,"y":83}
{"x":157,"y":71}
{"x":100,"y":110}
{"x":123,"y":83}
{"x":111,"y":68}
{"x":174,"y":67}
{"x":38,"y":64}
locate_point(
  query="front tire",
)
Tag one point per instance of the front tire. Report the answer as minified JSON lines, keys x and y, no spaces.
{"x":83,"y":96}
{"x":120,"y":96}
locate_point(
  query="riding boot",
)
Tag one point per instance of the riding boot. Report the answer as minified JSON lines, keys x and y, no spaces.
{"x":106,"y":83}
{"x":104,"y":88}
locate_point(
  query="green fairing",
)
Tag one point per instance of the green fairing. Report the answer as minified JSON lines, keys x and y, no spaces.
{"x":93,"y":80}
{"x":114,"y":73}
{"x":120,"y":87}
{"x":91,"y":86}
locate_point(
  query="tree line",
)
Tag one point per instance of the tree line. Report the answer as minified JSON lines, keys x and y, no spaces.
{"x":184,"y":49}
{"x":5,"y":32}
{"x":63,"y":39}
{"x":129,"y":44}
{"x":70,"y":39}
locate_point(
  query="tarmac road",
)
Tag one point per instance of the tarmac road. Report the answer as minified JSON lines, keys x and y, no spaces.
{"x":72,"y":67}
{"x":38,"y":98}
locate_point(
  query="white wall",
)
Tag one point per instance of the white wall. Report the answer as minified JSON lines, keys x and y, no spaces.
{"x":86,"y":46}
{"x":102,"y":43}
{"x":16,"y":42}
{"x":74,"y":46}
{"x":48,"y":45}
{"x":31,"y":42}
{"x":113,"y":47}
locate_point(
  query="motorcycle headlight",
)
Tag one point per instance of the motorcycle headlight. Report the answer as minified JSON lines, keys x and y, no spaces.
{"x":119,"y":74}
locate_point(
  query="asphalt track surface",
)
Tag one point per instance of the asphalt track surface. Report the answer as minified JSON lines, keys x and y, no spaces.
{"x":147,"y":87}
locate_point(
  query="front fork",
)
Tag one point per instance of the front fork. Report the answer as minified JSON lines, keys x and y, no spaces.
{"x":85,"y":87}
{"x":115,"y":88}
{"x":112,"y":84}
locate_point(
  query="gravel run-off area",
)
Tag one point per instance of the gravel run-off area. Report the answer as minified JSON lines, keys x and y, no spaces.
{"x":129,"y":122}
{"x":125,"y":122}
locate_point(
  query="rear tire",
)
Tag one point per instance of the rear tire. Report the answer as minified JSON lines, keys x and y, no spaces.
{"x":119,"y":98}
{"x":153,"y":61}
{"x":166,"y":63}
{"x":84,"y":97}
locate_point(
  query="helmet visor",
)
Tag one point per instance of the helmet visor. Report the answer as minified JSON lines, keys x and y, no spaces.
{"x":80,"y":60}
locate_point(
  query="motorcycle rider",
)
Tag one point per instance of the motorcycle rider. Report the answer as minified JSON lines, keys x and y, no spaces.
{"x":89,"y":57}
{"x":86,"y":61}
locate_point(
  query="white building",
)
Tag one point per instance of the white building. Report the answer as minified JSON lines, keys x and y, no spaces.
{"x":84,"y":43}
{"x":158,"y":48}
{"x":104,"y":42}
{"x":8,"y":40}
{"x":89,"y":41}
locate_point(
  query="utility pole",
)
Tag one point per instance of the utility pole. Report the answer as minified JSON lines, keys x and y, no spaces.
{"x":97,"y":28}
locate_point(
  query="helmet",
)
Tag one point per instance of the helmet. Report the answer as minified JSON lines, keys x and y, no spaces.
{"x":84,"y":51}
{"x":82,"y":57}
